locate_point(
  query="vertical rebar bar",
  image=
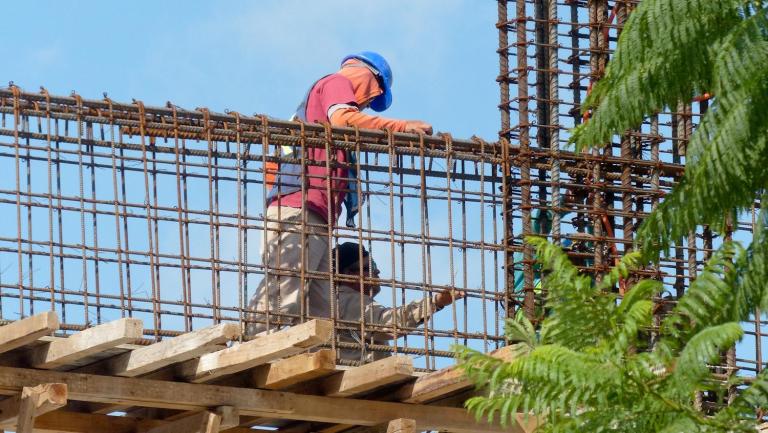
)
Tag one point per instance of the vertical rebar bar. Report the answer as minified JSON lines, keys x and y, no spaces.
{"x":554,"y":118}
{"x":524,"y":155}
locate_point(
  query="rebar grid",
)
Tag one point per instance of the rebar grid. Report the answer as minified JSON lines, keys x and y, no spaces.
{"x":550,"y":54}
{"x":117,"y":210}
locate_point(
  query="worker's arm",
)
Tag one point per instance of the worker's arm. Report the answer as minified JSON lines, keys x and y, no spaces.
{"x":350,"y":116}
{"x":410,"y":315}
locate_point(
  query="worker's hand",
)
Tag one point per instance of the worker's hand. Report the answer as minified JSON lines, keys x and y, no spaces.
{"x":418,"y":127}
{"x":444,"y":298}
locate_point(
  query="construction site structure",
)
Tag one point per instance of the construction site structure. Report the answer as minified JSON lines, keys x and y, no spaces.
{"x":132,"y":235}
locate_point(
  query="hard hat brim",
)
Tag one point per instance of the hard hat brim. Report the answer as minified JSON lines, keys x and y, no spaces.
{"x":382,"y":102}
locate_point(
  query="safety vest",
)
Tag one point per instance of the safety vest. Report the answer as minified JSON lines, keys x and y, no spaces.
{"x":287,"y":178}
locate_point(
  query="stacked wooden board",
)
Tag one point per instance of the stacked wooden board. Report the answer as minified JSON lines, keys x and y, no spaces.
{"x":208,"y":380}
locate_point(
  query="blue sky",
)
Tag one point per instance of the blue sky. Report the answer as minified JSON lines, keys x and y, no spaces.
{"x":259,"y":56}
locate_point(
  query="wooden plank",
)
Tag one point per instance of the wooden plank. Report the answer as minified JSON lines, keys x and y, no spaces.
{"x":434,"y":386}
{"x":20,"y":357}
{"x":167,"y":352}
{"x":296,"y":369}
{"x":21,"y":409}
{"x":77,"y":422}
{"x":25,"y":331}
{"x":229,"y":416}
{"x":83,"y":422}
{"x":257,"y":351}
{"x":403,"y":425}
{"x":368,"y":377}
{"x":289,"y":372}
{"x":442,"y":383}
{"x":250,"y":402}
{"x":64,"y":351}
{"x":199,"y":422}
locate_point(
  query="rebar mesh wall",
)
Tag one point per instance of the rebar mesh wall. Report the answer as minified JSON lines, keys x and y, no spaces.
{"x":551,"y":52}
{"x":114,"y":210}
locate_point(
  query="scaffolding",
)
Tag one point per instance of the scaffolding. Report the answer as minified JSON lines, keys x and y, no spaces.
{"x":135,"y":233}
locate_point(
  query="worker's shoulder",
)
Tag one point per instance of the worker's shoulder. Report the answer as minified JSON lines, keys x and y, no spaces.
{"x":333,"y":80}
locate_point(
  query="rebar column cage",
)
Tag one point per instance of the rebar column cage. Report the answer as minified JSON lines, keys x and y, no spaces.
{"x":550,"y":54}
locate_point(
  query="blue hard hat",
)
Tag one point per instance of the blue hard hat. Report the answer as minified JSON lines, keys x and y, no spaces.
{"x":383,"y":74}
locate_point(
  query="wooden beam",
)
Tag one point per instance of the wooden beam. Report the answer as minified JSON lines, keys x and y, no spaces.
{"x":78,"y":422}
{"x":63,"y":351}
{"x":230,"y":417}
{"x":442,"y":383}
{"x":199,"y":422}
{"x":25,"y":331}
{"x":21,"y":409}
{"x":400,"y":425}
{"x":250,"y":402}
{"x":166,"y":352}
{"x":368,"y":377}
{"x":296,"y":369}
{"x":257,"y":351}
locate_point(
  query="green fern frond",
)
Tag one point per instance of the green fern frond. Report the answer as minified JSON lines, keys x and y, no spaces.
{"x":748,"y":402}
{"x":628,"y":262}
{"x":643,"y":290}
{"x":709,"y":299}
{"x":753,"y":281}
{"x":669,"y":51}
{"x":660,"y":59}
{"x":553,"y":258}
{"x":591,"y":369}
{"x":521,"y":330}
{"x":681,"y":424}
{"x":569,"y":324}
{"x":729,"y":171}
{"x":477,"y":366}
{"x":703,"y":349}
{"x":638,"y":316}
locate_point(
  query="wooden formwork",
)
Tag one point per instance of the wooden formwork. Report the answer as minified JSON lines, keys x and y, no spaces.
{"x":99,"y":381}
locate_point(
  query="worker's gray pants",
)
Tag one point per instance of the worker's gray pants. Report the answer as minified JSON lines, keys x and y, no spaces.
{"x":279,"y":299}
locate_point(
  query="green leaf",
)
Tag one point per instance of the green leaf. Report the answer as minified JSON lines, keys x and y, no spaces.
{"x":705,"y":348}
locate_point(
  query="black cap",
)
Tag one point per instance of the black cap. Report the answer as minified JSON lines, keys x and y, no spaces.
{"x":347,"y":255}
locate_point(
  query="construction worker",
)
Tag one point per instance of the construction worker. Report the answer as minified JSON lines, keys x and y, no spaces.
{"x":364,"y":80}
{"x":541,"y":224}
{"x":356,"y":304}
